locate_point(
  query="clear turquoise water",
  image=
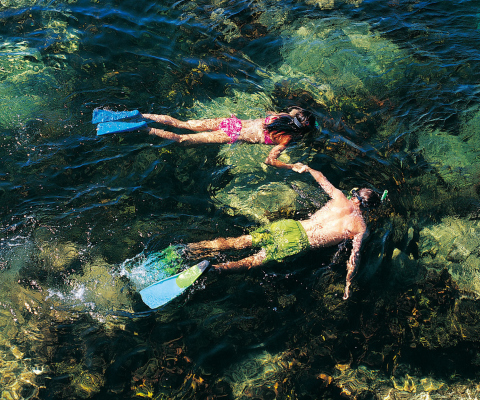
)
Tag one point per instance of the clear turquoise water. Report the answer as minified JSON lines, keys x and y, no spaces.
{"x":395,"y":88}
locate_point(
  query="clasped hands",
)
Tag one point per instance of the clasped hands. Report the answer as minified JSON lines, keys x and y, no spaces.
{"x":300,"y":168}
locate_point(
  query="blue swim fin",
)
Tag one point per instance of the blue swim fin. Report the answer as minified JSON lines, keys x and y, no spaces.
{"x":105,"y":128}
{"x":100,"y":115}
{"x":167,"y":289}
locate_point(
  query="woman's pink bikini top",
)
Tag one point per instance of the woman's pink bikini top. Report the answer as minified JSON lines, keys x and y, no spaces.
{"x":267,"y":138}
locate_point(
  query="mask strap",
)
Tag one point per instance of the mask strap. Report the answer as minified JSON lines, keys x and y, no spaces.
{"x":297,"y":122}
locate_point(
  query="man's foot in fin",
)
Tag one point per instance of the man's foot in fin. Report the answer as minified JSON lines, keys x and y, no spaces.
{"x":203,"y":265}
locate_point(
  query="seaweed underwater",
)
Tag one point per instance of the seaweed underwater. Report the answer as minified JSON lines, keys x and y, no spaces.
{"x":397,"y":102}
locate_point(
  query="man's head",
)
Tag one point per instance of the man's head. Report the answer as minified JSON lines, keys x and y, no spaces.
{"x":367,"y":198}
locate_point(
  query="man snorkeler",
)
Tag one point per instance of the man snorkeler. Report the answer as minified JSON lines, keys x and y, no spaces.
{"x":340,"y":219}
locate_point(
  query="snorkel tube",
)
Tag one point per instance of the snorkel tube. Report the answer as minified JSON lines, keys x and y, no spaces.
{"x":384,"y":196}
{"x":354,"y":194}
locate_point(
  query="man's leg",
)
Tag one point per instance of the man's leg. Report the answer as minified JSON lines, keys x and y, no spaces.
{"x":248,"y":262}
{"x":236,"y":243}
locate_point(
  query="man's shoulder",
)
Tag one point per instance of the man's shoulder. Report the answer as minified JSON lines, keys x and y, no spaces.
{"x":359,"y":223}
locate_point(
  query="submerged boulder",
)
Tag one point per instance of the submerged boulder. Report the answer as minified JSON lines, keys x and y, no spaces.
{"x":455,"y":157}
{"x":339,"y":63}
{"x":35,"y":84}
{"x":261,"y":192}
{"x":453,"y":244}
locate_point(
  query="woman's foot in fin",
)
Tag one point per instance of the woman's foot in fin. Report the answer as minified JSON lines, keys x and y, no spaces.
{"x":100,"y":115}
{"x":105,"y":128}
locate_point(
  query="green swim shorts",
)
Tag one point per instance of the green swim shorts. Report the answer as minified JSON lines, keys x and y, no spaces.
{"x":281,"y":239}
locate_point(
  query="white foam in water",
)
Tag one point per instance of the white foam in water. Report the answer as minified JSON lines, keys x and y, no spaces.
{"x":142,"y":270}
{"x":54,"y":293}
{"x":77,"y":294}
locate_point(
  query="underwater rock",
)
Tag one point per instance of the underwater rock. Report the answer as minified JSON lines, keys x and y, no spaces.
{"x":86,"y":384}
{"x":243,"y":105}
{"x":331,"y":4}
{"x":97,"y":288}
{"x":227,"y":27}
{"x":17,"y":3}
{"x":33,"y":87}
{"x":362,"y":381}
{"x":355,"y":381}
{"x":25,"y":322}
{"x":403,"y":267}
{"x":453,"y":244}
{"x":339,"y":63}
{"x":455,"y":158}
{"x":257,"y":374}
{"x":256,"y":191}
{"x":58,"y":256}
{"x":322,"y":4}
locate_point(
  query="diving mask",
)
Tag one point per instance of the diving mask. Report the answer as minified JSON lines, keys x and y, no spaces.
{"x":353,"y":193}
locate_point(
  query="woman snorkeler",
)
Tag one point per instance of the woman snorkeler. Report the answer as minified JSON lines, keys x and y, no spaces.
{"x":278,"y":130}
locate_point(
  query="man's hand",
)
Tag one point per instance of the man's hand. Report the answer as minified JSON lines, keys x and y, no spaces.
{"x":300,"y":168}
{"x":346,"y":294}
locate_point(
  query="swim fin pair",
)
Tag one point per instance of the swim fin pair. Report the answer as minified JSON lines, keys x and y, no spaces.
{"x":113,"y":121}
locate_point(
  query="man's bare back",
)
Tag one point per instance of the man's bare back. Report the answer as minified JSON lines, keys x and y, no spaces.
{"x":333,"y":223}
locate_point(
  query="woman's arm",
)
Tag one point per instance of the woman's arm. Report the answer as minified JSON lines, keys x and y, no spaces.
{"x":272,"y":158}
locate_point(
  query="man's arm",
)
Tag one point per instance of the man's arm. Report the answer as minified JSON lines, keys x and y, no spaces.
{"x":352,"y":261}
{"x":331,"y":190}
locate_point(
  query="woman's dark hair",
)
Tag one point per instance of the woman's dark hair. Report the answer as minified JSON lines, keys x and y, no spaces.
{"x":368,"y":197}
{"x":300,"y":125}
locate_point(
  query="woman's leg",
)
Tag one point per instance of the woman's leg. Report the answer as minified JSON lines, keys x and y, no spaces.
{"x":194,"y":138}
{"x":199,"y":125}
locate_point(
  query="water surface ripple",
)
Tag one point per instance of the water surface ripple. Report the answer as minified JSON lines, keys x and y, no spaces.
{"x":394,"y":86}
